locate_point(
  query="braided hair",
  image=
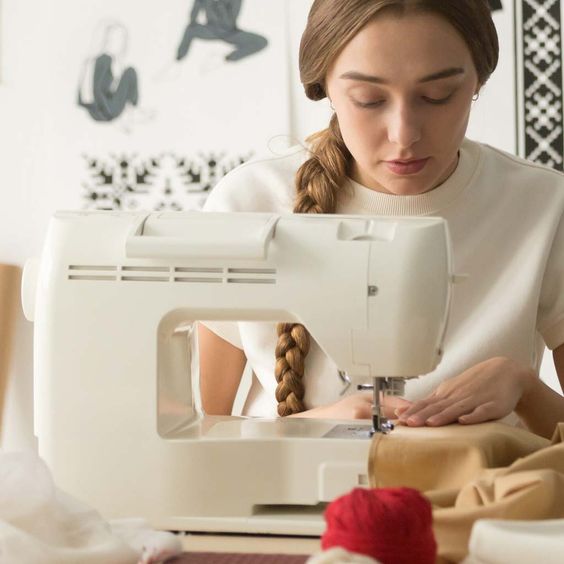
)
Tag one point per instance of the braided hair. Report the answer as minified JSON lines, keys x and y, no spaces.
{"x":318,"y":181}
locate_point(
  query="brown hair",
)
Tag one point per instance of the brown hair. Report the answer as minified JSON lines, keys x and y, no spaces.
{"x":330,"y":26}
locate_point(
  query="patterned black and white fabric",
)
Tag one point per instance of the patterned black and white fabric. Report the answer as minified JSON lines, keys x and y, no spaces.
{"x":541,"y":121}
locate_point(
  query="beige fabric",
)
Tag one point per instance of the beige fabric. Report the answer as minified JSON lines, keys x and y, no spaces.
{"x":475,"y":472}
{"x":440,"y":458}
{"x":9,"y":301}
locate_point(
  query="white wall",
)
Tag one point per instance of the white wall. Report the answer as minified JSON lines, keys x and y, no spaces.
{"x":21,"y":229}
{"x":30,"y":171}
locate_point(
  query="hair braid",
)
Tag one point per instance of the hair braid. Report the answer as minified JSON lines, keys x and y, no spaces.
{"x":318,"y":181}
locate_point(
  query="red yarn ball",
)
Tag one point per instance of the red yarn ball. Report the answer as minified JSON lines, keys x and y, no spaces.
{"x":392,"y":525}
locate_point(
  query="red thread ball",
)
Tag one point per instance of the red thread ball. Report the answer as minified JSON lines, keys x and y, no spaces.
{"x":392,"y":525}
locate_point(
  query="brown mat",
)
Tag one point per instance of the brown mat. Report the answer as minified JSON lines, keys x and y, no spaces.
{"x":10,"y":277}
{"x":232,"y":558}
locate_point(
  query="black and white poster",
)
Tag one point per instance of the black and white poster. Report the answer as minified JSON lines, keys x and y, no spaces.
{"x":150,"y":104}
{"x":520,"y":108}
{"x":539,"y":85}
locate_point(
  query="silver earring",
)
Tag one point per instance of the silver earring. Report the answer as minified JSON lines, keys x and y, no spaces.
{"x":476,"y":96}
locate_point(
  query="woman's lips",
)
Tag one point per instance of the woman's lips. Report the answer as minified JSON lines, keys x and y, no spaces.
{"x":404,"y":168}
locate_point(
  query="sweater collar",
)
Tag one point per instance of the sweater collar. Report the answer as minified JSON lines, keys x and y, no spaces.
{"x":368,"y":201}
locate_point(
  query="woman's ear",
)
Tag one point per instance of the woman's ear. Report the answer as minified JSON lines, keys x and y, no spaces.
{"x":477,"y":91}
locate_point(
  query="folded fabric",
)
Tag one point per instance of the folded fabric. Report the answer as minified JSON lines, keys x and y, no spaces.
{"x":40,"y":524}
{"x":440,"y":458}
{"x":530,"y":488}
{"x":519,"y":542}
{"x":459,"y":471}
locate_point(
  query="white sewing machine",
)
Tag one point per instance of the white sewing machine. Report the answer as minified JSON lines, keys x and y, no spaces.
{"x":115,"y":413}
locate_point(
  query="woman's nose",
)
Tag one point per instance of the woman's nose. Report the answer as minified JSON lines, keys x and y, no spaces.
{"x":404,"y":127}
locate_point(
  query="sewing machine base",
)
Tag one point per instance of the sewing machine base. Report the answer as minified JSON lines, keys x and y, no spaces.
{"x":304,"y":521}
{"x":254,"y":476}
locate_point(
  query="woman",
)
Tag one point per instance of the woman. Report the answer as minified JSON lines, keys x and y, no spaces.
{"x":401,"y":76}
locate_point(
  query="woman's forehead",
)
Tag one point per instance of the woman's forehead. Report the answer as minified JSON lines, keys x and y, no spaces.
{"x":419,"y":42}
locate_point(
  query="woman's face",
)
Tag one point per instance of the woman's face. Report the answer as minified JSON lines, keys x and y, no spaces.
{"x":402,"y":90}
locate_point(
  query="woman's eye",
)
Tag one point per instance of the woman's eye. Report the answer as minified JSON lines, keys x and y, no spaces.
{"x":437,"y":101}
{"x":372,"y":104}
{"x":376,"y":103}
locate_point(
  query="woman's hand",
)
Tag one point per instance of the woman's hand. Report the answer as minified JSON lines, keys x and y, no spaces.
{"x":355,"y":406}
{"x":487,"y":391}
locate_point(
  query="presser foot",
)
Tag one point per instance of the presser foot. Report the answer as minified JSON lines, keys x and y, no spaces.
{"x":382,"y":387}
{"x":379,"y":426}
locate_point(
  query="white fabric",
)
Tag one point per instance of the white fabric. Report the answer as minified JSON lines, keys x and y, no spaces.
{"x":40,"y":524}
{"x":519,"y":542}
{"x":505,"y":217}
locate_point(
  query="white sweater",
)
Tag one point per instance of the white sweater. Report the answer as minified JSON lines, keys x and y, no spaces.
{"x":506,"y":220}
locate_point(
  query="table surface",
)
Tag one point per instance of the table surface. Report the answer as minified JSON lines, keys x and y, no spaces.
{"x":249,"y":544}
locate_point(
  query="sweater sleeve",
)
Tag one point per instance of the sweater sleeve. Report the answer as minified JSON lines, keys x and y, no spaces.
{"x":551,"y":306}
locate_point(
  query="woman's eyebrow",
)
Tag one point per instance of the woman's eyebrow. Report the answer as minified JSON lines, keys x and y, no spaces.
{"x":446,"y":73}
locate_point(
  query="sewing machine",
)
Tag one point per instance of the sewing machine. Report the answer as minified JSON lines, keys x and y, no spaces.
{"x":114,"y":298}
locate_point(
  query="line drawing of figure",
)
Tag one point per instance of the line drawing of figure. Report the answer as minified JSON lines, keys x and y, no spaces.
{"x":495,"y":5}
{"x":107,"y":89}
{"x":220,"y":24}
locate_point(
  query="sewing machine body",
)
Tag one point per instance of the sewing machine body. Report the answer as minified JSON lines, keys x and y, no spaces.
{"x":115,"y":414}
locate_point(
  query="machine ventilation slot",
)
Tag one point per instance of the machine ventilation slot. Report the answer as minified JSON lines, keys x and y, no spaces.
{"x":97,"y":268}
{"x":145,"y":274}
{"x":251,"y":281}
{"x":198,"y":274}
{"x":251,"y":276}
{"x":145,"y":269}
{"x":92,"y":272}
{"x":199,"y":270}
{"x":179,"y":274}
{"x":251,"y":271}
{"x":145,"y":278}
{"x":92,"y":277}
{"x":199,"y":279}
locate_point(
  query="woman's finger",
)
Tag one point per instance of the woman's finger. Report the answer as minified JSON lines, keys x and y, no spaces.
{"x":482,"y":413}
{"x":393,"y":404}
{"x":420,"y":412}
{"x":416,"y":407}
{"x":450,"y":414}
